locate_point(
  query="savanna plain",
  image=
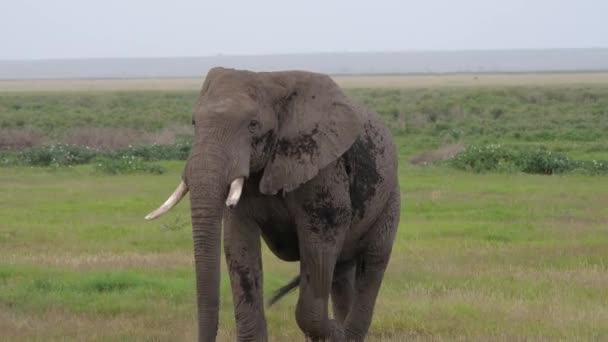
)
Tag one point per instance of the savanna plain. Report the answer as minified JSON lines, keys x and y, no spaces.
{"x":504,"y":221}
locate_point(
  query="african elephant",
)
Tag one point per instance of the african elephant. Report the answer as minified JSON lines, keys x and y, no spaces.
{"x":314,"y":174}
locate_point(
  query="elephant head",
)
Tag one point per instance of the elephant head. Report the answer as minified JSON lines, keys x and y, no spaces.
{"x":282,"y":126}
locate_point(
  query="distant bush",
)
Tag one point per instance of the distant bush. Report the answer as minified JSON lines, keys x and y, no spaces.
{"x":499,"y":158}
{"x":543,"y":162}
{"x":177,"y":151}
{"x":56,"y":155}
{"x":125,"y":165}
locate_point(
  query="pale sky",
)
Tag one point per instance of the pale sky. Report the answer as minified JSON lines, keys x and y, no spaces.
{"x":40,"y":29}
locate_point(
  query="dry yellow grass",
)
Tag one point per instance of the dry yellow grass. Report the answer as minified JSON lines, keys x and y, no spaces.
{"x":471,"y":80}
{"x":355,"y":81}
{"x":100,"y":85}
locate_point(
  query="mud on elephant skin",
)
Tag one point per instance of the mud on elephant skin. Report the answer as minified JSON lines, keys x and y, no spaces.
{"x":288,"y":158}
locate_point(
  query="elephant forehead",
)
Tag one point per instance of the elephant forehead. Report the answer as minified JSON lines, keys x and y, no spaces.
{"x":219,"y":105}
{"x":227,"y":106}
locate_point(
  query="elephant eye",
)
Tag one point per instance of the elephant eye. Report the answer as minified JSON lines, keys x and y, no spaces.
{"x":254,"y":126}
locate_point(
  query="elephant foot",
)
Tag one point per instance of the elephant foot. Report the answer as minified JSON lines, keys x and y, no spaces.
{"x":336,"y":333}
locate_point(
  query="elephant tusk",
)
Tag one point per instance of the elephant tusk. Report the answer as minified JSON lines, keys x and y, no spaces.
{"x":236,"y":188}
{"x":176,"y":196}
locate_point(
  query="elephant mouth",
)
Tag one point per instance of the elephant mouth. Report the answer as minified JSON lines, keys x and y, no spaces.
{"x":234,"y":194}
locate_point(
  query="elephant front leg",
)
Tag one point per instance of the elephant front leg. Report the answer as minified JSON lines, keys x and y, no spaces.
{"x":243,"y":257}
{"x":322,"y":219}
{"x":343,"y":290}
{"x":312,"y":309}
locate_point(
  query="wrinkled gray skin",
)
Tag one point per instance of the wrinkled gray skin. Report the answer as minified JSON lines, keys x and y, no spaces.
{"x":321,"y":187}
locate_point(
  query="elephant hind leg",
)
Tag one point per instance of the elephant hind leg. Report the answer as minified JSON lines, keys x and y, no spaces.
{"x":371,"y":265}
{"x":343,"y":290}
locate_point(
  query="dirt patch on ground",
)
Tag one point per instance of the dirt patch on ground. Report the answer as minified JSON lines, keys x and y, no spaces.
{"x":58,"y":323}
{"x":16,"y":139}
{"x":345,"y":81}
{"x":114,"y":138}
{"x":441,"y":154}
{"x":103,"y":261}
{"x":101,"y":138}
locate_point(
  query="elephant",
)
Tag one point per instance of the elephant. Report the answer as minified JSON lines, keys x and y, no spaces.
{"x":287,"y":157}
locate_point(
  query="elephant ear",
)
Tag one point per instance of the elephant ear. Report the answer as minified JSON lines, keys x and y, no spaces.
{"x":317,"y":124}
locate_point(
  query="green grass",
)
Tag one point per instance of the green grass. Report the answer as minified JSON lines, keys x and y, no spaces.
{"x":54,"y":114}
{"x":477,"y":256}
{"x":490,"y":256}
{"x":569,"y":119}
{"x":573,"y":120}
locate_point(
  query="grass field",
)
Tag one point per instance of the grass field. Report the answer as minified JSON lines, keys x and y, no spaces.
{"x":492,"y":256}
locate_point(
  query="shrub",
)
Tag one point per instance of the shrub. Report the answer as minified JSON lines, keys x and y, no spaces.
{"x":593,"y":167}
{"x":499,"y":158}
{"x":482,"y":158}
{"x":543,"y":162}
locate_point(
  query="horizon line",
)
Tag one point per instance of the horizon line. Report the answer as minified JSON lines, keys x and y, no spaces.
{"x":283,"y":54}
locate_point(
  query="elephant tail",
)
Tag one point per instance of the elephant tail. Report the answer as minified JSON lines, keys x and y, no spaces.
{"x":278,"y":294}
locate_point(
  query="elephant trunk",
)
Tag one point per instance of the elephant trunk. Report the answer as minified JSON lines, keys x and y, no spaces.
{"x":206,"y":179}
{"x":206,"y":234}
{"x":214,"y":179}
